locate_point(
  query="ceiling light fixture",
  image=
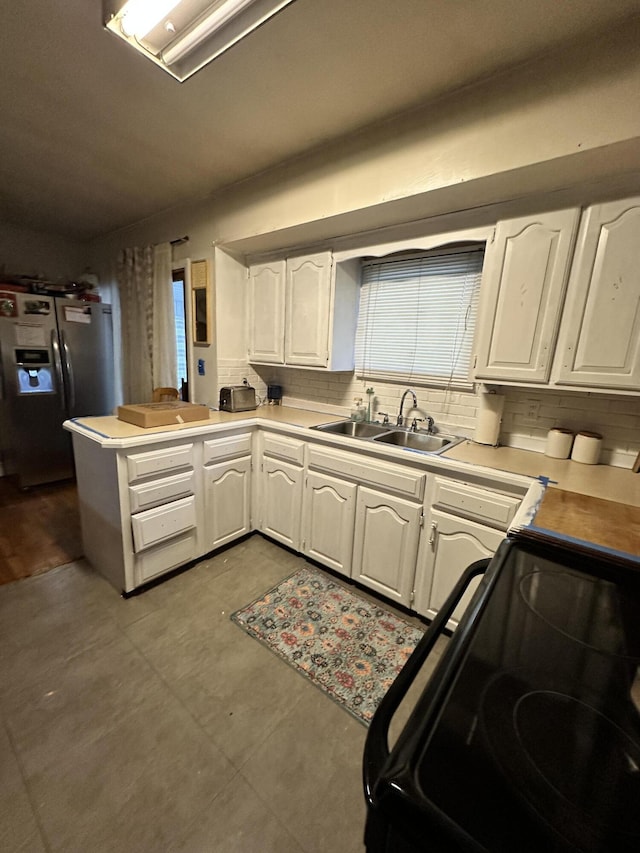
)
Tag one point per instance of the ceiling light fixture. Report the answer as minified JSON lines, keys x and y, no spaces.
{"x":182,"y":36}
{"x":139,"y":17}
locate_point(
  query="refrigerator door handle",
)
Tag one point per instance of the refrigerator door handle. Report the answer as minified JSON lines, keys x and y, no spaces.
{"x":57,"y":363}
{"x":69,"y":370}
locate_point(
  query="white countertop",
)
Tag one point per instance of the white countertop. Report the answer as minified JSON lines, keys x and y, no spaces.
{"x":594,"y":504}
{"x":110,"y":427}
{"x":600,"y":481}
{"x":620,"y":485}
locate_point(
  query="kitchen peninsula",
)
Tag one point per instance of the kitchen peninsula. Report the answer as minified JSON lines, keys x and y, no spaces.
{"x":403,"y":523}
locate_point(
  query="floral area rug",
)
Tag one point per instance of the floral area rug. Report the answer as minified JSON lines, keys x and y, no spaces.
{"x":346,"y":645}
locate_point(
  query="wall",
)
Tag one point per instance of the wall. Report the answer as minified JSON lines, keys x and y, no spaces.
{"x":616,"y":418}
{"x":521,"y":134}
{"x":518,"y":136}
{"x":561,"y":131}
{"x":26,"y":252}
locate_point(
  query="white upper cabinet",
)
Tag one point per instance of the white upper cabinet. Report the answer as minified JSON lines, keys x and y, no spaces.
{"x":599,"y":343}
{"x":307,"y":312}
{"x":523,"y":284}
{"x":534,"y":328}
{"x":266,"y":312}
{"x":303,"y":312}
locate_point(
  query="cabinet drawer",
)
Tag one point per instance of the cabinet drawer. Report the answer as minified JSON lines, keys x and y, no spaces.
{"x":284,"y":448}
{"x":472,"y":502}
{"x":159,"y":461}
{"x":166,"y":556}
{"x":363,"y":469}
{"x":163,"y":522}
{"x":147,"y":495}
{"x":226,"y":448}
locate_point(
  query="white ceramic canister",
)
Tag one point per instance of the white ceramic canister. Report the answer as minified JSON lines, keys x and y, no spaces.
{"x":559,"y":443}
{"x":586,"y":448}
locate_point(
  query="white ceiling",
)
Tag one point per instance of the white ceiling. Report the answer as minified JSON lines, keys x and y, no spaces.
{"x":94,"y":137}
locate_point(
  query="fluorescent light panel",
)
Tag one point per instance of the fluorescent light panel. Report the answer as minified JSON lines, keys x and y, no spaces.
{"x":181,"y":36}
{"x":139,"y":17}
{"x":204,"y":28}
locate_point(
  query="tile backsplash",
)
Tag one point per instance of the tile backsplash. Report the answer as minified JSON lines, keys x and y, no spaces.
{"x":528,"y":413}
{"x":615,"y":417}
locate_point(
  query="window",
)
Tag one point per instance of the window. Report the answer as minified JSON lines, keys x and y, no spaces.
{"x":180,"y":331}
{"x":417,"y":316}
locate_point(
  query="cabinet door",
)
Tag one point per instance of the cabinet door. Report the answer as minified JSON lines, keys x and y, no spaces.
{"x":227,"y":501}
{"x":281,"y":501}
{"x":308,"y":309}
{"x":329,"y":515}
{"x":599,"y":342}
{"x":266,"y":312}
{"x":523,"y":284}
{"x":454,"y":543}
{"x":385,"y":547}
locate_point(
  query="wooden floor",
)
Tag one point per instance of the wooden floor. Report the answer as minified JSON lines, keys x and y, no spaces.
{"x":39,"y":528}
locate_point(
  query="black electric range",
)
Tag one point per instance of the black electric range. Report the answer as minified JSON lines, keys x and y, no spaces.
{"x":527,"y":737}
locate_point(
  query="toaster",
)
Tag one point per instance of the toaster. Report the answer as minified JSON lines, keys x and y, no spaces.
{"x":237,"y":398}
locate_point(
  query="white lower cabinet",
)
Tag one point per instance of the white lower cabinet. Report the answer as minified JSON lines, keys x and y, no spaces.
{"x":281,"y":500}
{"x":387,"y":532}
{"x":453,"y":544}
{"x":466,"y":523}
{"x":281,"y":488}
{"x":227,"y":498}
{"x":146,"y":510}
{"x":328,"y":524}
{"x":164,"y":506}
{"x":362,"y":518}
{"x":150,"y":508}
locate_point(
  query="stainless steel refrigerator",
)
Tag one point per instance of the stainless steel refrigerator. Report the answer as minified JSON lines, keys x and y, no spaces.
{"x":56,"y":363}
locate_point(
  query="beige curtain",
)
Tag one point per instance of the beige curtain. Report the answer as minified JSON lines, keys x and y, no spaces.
{"x":147,"y":320}
{"x":135,"y":283}
{"x":163,"y":351}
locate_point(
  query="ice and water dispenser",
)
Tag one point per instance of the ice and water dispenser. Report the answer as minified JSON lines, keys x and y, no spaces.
{"x":34,"y":371}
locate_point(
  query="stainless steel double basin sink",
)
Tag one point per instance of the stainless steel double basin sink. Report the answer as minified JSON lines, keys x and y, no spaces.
{"x":424,"y":442}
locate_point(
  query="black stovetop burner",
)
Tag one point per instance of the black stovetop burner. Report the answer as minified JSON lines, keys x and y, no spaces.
{"x":589,"y":610}
{"x":527,"y":738}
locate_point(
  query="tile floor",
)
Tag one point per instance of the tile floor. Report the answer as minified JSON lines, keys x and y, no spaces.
{"x":156,"y":724}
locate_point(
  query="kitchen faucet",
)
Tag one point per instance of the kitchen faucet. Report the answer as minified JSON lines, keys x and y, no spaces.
{"x":429,"y":421}
{"x":400,"y":421}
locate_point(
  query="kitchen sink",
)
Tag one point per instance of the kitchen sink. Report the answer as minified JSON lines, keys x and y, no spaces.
{"x":353,"y":429}
{"x":418,"y":441}
{"x":395,"y":436}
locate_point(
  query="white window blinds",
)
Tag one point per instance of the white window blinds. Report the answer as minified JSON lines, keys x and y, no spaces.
{"x":417,"y":317}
